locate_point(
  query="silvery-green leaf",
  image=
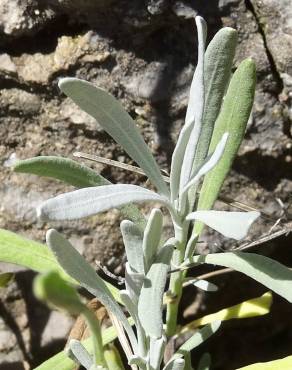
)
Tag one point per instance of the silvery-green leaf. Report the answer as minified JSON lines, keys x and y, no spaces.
{"x":232,"y":118}
{"x":75,"y":174}
{"x":90,"y":201}
{"x":63,"y":169}
{"x":209,"y":163}
{"x":217,"y":70}
{"x":180,"y":148}
{"x":156,"y":351}
{"x":205,"y":362}
{"x":191,"y":245}
{"x":76,"y":266}
{"x":175,"y":364}
{"x":110,"y":114}
{"x":205,"y":285}
{"x":151,"y":296}
{"x":137,"y":360}
{"x":231,"y":224}
{"x":199,"y":337}
{"x":133,"y":311}
{"x":152,"y":235}
{"x":196,"y":104}
{"x":266,"y":271}
{"x":133,"y":240}
{"x":80,"y":353}
{"x":134,"y":282}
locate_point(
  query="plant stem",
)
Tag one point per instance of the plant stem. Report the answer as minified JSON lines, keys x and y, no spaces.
{"x":175,"y":290}
{"x":95,"y":330}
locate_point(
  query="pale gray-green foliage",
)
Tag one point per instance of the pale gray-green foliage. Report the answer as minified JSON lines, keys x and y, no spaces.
{"x":149,"y":258}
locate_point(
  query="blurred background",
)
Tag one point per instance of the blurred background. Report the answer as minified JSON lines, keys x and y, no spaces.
{"x":144,"y":53}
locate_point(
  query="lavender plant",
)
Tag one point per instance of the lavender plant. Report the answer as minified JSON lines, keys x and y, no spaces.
{"x":218,"y":110}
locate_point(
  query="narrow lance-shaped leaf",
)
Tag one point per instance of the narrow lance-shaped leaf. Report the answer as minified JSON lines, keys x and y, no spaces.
{"x":266,"y":271}
{"x":76,"y":266}
{"x":152,"y":235}
{"x":231,"y":224}
{"x":75,"y":174}
{"x":80,"y":353}
{"x":151,"y":296}
{"x":233,"y":119}
{"x":52,"y":289}
{"x":196,"y":106}
{"x":199,"y":337}
{"x":61,"y":361}
{"x":258,"y":306}
{"x":36,"y":256}
{"x":281,"y":364}
{"x":90,"y":201}
{"x":110,"y":114}
{"x":63,"y":169}
{"x":205,"y":362}
{"x":133,"y":241}
{"x":217,"y":71}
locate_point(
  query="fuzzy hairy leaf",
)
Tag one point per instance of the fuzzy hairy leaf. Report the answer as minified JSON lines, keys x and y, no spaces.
{"x":90,"y":201}
{"x":231,"y":224}
{"x":152,"y":235}
{"x":76,"y":266}
{"x":175,"y":364}
{"x":63,"y":169}
{"x":217,"y":71}
{"x":75,"y":174}
{"x":233,"y":119}
{"x":196,"y":105}
{"x":133,"y":241}
{"x":199,"y":337}
{"x":80,"y":353}
{"x":110,"y":114}
{"x":151,"y":296}
{"x":264,"y":270}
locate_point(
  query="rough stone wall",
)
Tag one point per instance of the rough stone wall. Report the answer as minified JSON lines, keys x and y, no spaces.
{"x":143,"y":52}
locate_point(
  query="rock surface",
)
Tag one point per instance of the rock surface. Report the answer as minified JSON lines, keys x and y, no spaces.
{"x":144,"y":53}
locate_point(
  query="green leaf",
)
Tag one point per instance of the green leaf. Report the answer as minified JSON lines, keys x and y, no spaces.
{"x":151,"y":296}
{"x":52,"y":289}
{"x":110,"y":114}
{"x":266,"y":271}
{"x":233,"y":119}
{"x":24,"y":252}
{"x":61,"y":361}
{"x":75,"y":174}
{"x":281,"y":364}
{"x":63,"y":169}
{"x":36,"y":256}
{"x":76,"y":267}
{"x":90,"y":201}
